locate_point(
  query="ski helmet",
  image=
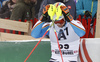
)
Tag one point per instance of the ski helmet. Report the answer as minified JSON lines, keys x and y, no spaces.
{"x":59,"y":17}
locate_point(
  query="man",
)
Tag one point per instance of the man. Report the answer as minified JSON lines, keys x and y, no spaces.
{"x":69,"y":3}
{"x":68,"y":32}
{"x":24,"y":9}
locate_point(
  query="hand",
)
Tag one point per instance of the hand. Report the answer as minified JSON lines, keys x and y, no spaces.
{"x":44,"y":17}
{"x":66,"y":13}
{"x":88,"y":14}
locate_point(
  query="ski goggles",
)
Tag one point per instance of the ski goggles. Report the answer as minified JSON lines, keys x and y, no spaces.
{"x":59,"y":21}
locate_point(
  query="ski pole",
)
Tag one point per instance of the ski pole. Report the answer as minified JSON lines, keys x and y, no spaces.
{"x":57,"y":41}
{"x":58,"y":45}
{"x":37,"y":43}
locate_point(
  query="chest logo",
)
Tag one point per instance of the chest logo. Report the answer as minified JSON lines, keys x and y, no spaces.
{"x":61,"y":33}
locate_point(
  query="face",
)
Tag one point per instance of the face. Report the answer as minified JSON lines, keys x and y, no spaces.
{"x":60,"y":25}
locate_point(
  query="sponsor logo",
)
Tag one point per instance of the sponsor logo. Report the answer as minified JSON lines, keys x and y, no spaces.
{"x":79,"y":22}
{"x":64,"y":52}
{"x":69,"y":7}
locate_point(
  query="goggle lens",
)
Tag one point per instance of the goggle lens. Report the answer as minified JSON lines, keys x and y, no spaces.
{"x":59,"y":21}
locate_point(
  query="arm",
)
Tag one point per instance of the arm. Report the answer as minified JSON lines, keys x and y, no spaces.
{"x":78,"y":27}
{"x":39,"y":29}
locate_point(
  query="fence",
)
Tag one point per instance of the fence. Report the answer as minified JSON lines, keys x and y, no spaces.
{"x":89,"y":24}
{"x":10,"y":26}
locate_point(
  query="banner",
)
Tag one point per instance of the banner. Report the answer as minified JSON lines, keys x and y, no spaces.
{"x":17,"y":51}
{"x":89,"y":50}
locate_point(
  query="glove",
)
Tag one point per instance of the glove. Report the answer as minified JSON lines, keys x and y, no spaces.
{"x":66,"y":13}
{"x":45,"y":17}
{"x":88,"y":14}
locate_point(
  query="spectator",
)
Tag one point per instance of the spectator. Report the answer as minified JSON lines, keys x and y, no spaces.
{"x":86,"y":7}
{"x":24,"y":9}
{"x":69,"y":3}
{"x":6,"y":9}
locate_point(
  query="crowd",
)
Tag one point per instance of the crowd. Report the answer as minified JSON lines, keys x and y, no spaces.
{"x":32,"y":9}
{"x":20,"y":10}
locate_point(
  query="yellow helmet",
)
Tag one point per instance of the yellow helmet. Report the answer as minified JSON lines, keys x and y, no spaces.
{"x":58,"y":10}
{"x":55,"y":11}
{"x":51,"y":11}
{"x":59,"y":17}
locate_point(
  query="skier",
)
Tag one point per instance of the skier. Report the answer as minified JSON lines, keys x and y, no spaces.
{"x":68,"y":32}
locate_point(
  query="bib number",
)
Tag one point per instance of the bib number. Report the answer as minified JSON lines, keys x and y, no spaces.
{"x":65,"y":46}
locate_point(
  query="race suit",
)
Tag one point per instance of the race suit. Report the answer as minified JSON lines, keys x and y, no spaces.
{"x":68,"y":36}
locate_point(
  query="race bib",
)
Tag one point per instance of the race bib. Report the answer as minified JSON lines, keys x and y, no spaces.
{"x":67,"y":49}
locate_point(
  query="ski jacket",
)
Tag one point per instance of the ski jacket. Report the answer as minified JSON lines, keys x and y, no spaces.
{"x":40,"y":28}
{"x":23,"y":10}
{"x":86,"y":5}
{"x":68,"y":36}
{"x":70,"y":4}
